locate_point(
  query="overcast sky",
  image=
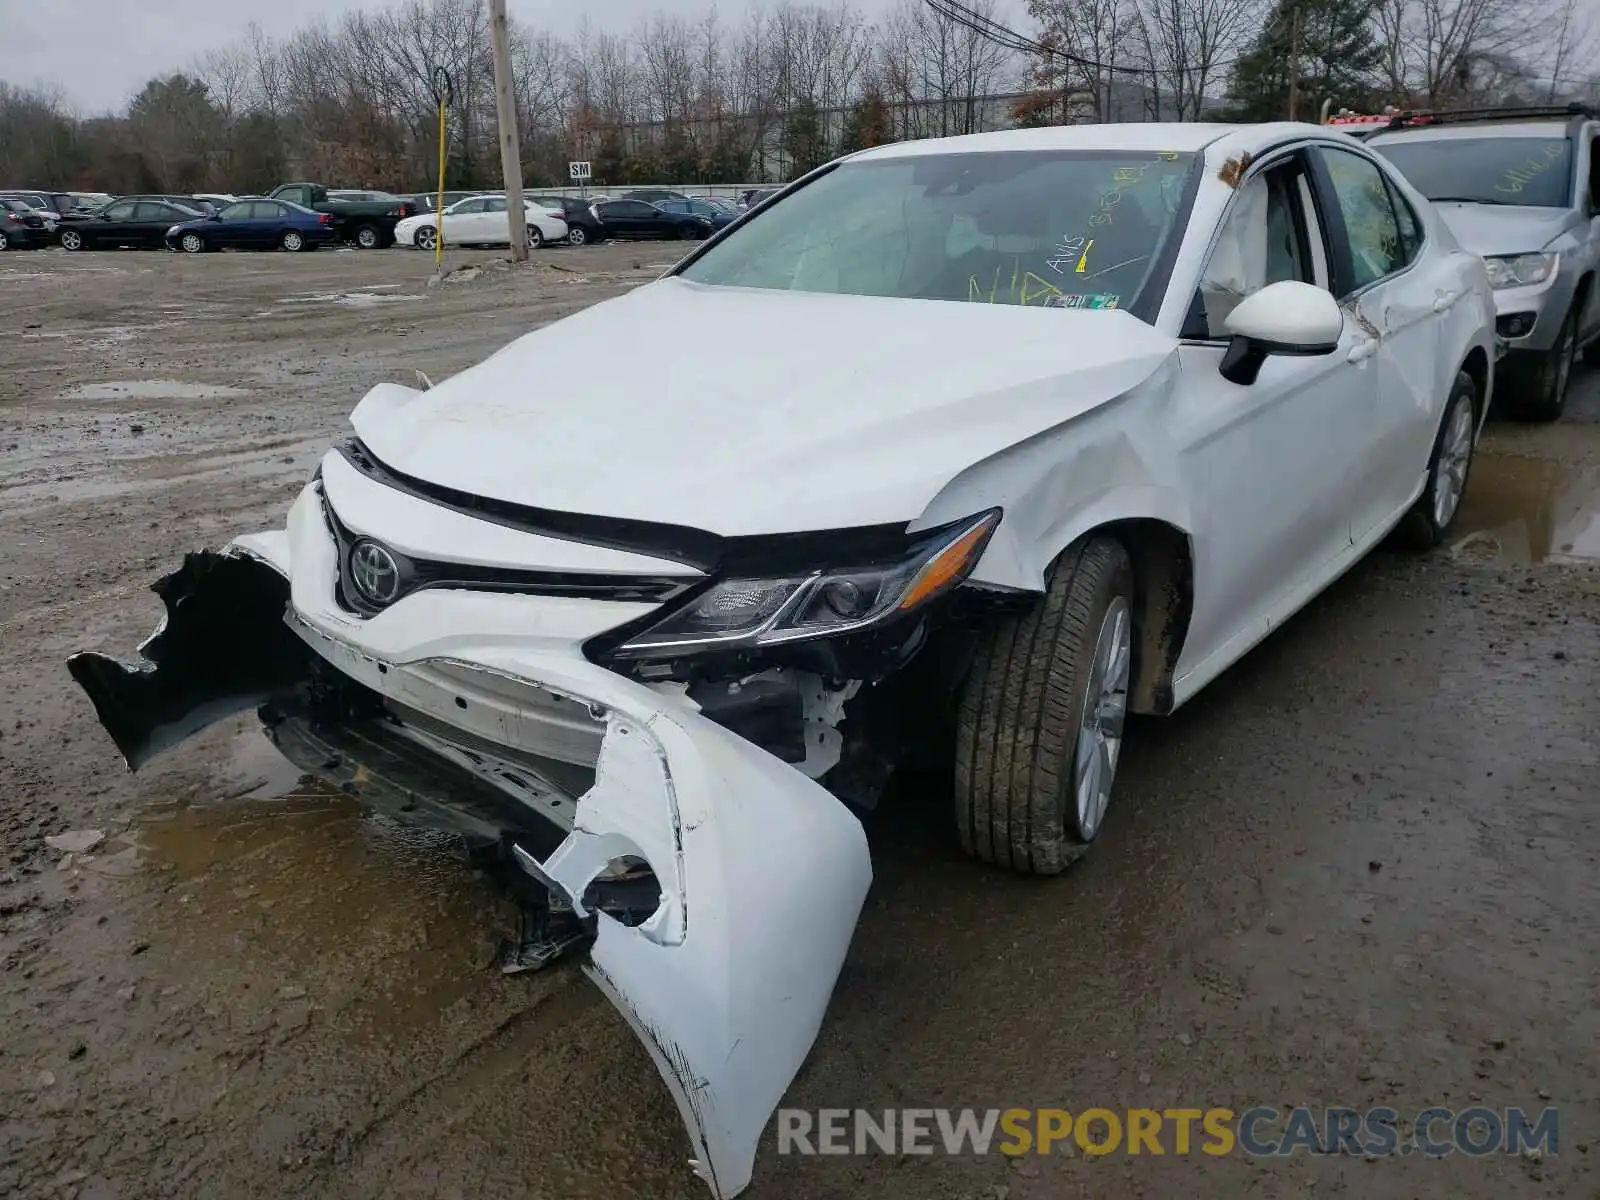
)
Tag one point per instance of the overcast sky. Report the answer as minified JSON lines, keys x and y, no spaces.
{"x":103,"y":51}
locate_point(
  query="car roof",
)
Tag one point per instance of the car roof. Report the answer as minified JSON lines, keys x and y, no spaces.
{"x":1185,"y":137}
{"x":1474,"y":130}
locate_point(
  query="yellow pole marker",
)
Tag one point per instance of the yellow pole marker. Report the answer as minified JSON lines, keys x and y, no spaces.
{"x":1083,"y":259}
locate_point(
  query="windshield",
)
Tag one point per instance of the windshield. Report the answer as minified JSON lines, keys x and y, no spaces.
{"x":1080,"y":229}
{"x":1490,"y":170}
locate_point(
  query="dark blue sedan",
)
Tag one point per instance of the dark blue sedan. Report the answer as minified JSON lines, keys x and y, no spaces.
{"x":695,"y":207}
{"x":254,"y":225}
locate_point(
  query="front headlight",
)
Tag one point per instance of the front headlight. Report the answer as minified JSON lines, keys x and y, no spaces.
{"x":748,"y":612}
{"x":1520,"y":270}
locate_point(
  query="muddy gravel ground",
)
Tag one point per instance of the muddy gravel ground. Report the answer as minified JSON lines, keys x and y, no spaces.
{"x":1363,"y":868}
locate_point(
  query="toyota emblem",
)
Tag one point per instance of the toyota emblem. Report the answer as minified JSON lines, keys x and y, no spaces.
{"x":374,"y":572}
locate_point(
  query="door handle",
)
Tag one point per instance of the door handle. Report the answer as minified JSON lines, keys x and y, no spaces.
{"x":1444,"y":300}
{"x":1363,"y":351}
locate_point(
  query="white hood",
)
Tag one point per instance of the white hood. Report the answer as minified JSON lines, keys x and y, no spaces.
{"x":742,"y":411}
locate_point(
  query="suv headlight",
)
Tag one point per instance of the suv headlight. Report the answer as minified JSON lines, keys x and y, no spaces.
{"x":1520,"y":270}
{"x":767,"y":611}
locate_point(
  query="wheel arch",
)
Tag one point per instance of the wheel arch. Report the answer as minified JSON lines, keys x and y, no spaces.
{"x":1476,"y":364}
{"x":1163,"y":581}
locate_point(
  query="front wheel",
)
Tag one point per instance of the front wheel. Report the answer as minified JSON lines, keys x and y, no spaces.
{"x":293,"y":241}
{"x":71,"y":239}
{"x":427,"y":238}
{"x":192,"y":243}
{"x":535,"y":237}
{"x":1540,"y":391}
{"x":1435,"y":511}
{"x":1039,"y":729}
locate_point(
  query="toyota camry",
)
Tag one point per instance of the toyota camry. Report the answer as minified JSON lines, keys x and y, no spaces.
{"x":1001,"y":438}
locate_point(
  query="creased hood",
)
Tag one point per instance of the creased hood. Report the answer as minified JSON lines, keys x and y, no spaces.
{"x":1488,"y":229}
{"x":742,"y":411}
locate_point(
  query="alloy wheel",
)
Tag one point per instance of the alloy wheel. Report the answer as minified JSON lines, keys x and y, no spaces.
{"x":1105,"y":708}
{"x":1455,"y":456}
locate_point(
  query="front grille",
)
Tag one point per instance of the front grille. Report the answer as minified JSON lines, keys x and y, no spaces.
{"x":416,"y":574}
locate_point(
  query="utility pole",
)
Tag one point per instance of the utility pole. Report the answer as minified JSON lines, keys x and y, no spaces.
{"x":1294,"y":60}
{"x":505,"y":105}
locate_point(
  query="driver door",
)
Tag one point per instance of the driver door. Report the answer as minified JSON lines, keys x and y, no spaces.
{"x":110,"y":226}
{"x":1272,"y":465}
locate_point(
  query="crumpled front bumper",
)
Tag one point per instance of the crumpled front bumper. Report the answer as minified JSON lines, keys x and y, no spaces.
{"x":761,"y":872}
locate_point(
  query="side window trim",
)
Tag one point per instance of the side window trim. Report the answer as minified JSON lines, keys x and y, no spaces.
{"x":1316,"y":232}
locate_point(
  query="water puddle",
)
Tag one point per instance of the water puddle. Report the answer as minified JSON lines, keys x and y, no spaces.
{"x":1523,"y":509}
{"x":363,"y":299}
{"x":380,"y":924}
{"x":152,"y":389}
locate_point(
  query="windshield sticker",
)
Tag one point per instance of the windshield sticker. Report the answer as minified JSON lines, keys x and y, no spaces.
{"x":1516,"y":177}
{"x":1096,"y":300}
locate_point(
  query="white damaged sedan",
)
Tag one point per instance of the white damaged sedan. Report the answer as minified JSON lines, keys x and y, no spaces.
{"x":999,"y":438}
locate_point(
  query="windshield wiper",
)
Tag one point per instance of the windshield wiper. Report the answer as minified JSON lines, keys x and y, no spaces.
{"x":1468,"y":200}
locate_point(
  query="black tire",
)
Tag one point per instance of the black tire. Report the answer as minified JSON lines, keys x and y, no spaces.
{"x":688,"y":233}
{"x":1591,"y":353}
{"x":425,"y":239}
{"x":1021,"y":713}
{"x":1539,"y":389}
{"x":192,"y":243}
{"x":71,"y":239}
{"x":5,"y":242}
{"x":293,"y":241}
{"x":576,"y":236}
{"x":1428,"y":523}
{"x":535,"y":237}
{"x":367,"y":237}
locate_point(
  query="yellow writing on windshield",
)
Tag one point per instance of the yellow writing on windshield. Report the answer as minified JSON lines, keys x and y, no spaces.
{"x":1517,"y":177}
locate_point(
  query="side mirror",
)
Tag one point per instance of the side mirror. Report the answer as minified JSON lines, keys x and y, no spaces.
{"x":1288,"y":317}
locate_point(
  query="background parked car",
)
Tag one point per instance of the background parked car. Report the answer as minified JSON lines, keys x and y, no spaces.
{"x":478,"y":221}
{"x":52,"y":205}
{"x":90,"y":201}
{"x":651,"y":195}
{"x":21,"y":226}
{"x":426,"y":202}
{"x":138,"y":223}
{"x":254,"y":225}
{"x":634,"y":219}
{"x":1520,"y":187}
{"x":369,"y":224}
{"x":751,"y":197}
{"x":217,"y":200}
{"x":715,"y":213}
{"x":583,"y":223}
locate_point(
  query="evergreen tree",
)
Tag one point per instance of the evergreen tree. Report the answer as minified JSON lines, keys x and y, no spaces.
{"x":1337,"y":55}
{"x":804,"y":141}
{"x":867,"y":124}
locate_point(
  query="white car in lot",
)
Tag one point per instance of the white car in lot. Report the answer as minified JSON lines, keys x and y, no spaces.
{"x":478,"y":221}
{"x":998,"y":439}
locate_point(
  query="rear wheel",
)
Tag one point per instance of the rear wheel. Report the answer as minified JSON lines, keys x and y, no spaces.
{"x":368,"y":237}
{"x":192,"y":243}
{"x":293,"y":241}
{"x":71,"y":239}
{"x":1039,"y":731}
{"x":1435,"y":511}
{"x":576,"y":236}
{"x":1540,"y":389}
{"x":5,"y":242}
{"x":427,"y":238}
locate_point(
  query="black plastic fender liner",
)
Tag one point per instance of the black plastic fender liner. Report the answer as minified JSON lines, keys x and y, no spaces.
{"x":222,"y":647}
